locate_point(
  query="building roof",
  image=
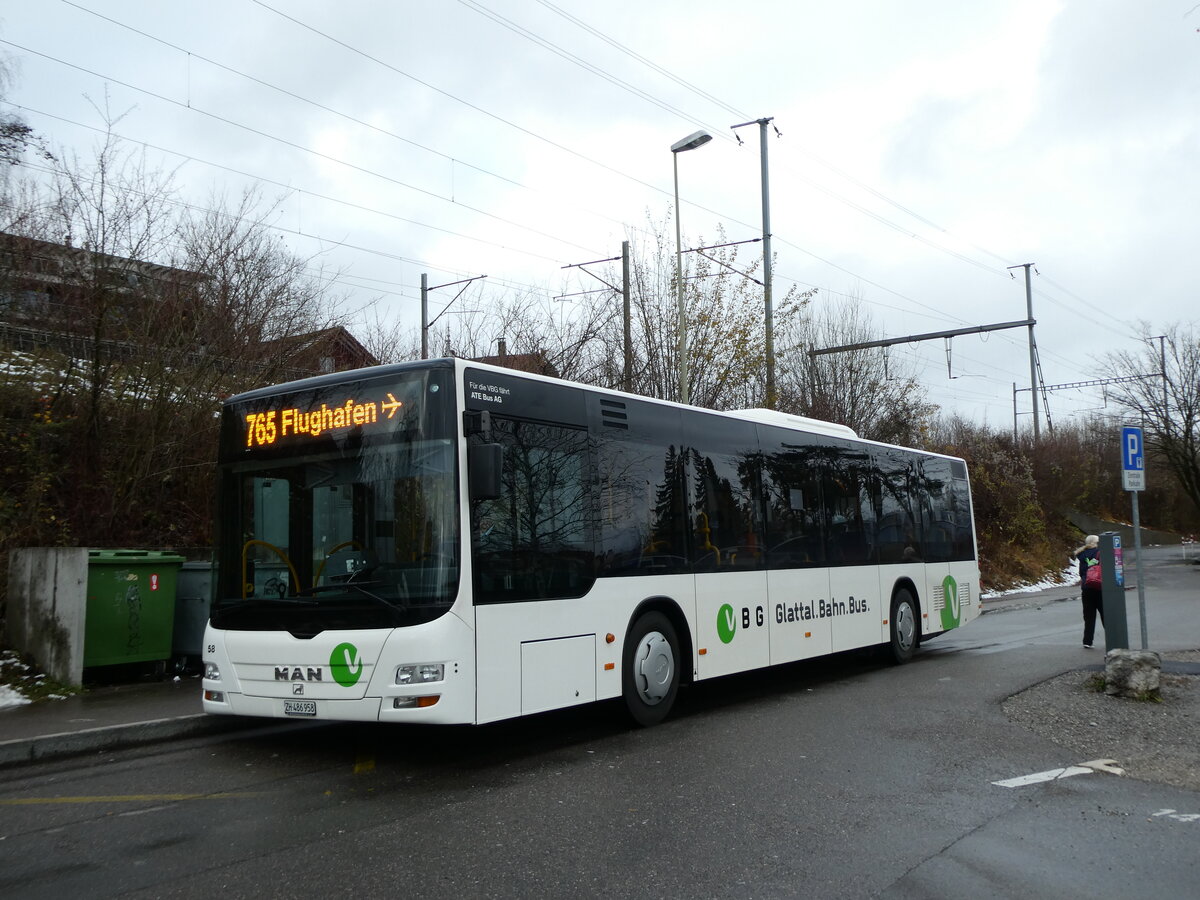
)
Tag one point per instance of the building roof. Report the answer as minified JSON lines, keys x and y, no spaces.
{"x":535,"y":363}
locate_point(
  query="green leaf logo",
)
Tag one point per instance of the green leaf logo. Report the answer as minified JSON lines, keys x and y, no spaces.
{"x":726,"y":624}
{"x":345,"y":665}
{"x":951,"y":609}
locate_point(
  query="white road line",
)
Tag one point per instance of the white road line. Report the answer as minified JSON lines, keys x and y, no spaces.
{"x":1108,"y":766}
{"x":1038,"y":777}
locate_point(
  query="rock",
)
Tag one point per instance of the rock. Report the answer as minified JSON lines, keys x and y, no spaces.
{"x":1131,"y":673}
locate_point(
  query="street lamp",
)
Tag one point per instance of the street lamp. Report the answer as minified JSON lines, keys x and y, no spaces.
{"x":691,"y":142}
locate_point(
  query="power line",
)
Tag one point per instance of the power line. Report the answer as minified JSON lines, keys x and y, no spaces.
{"x":329,"y":109}
{"x":826,"y":164}
{"x":295,"y":146}
{"x":288,"y":187}
{"x":392,"y":68}
{"x":265,"y":6}
{"x":571,"y":57}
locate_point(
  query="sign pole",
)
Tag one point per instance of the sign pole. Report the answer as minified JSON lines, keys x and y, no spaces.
{"x":1137,"y":549}
{"x":1133,"y":479}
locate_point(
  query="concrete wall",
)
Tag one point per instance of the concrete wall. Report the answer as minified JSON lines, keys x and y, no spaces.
{"x":47,"y":608}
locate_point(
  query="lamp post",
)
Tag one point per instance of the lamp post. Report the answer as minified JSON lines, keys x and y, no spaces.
{"x":691,"y":142}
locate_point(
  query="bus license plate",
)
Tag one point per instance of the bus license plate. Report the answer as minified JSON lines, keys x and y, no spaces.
{"x":299,"y":707}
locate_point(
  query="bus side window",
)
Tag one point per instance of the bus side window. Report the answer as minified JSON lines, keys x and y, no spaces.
{"x":898,"y":532}
{"x":725,"y":505}
{"x":534,"y":540}
{"x":937,"y":511}
{"x":641,"y":497}
{"x":792,"y":485}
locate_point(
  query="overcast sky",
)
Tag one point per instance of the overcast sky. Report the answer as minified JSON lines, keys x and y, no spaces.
{"x":924,"y":148}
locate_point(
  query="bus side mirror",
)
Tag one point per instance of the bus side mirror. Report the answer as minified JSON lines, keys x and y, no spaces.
{"x":477,"y":422}
{"x":484,"y":465}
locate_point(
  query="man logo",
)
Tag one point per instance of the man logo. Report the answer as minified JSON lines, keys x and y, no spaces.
{"x":298,"y":688}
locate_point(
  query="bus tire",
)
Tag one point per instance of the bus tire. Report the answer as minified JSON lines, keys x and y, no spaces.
{"x":650,"y":672}
{"x":905,"y":627}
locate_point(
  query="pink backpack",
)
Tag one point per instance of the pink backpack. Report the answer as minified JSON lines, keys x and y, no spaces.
{"x":1092,"y":578}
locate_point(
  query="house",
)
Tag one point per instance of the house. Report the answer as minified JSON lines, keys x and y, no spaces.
{"x":55,"y":286}
{"x":78,"y":302}
{"x":328,"y":350}
{"x":535,"y":363}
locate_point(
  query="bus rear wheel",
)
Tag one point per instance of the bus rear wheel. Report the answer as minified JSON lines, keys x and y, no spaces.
{"x":905,"y":627}
{"x":650,"y":674}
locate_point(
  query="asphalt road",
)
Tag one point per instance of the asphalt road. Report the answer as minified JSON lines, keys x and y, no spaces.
{"x":842,"y":778}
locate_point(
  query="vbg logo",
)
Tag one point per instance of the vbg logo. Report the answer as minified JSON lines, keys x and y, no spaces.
{"x":951,"y":609}
{"x":345,"y":665}
{"x":727,"y":621}
{"x":726,"y":624}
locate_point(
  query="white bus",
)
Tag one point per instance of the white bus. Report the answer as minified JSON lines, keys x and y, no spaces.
{"x":451,"y":542}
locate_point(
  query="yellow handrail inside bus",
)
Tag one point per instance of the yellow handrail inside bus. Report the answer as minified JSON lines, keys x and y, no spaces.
{"x":703,"y":529}
{"x":247,"y":588}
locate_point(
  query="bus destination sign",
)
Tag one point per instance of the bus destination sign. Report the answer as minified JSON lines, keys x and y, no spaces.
{"x":290,"y":420}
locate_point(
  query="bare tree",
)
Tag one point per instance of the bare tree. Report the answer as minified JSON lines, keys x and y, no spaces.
{"x":723,"y":304}
{"x":252,"y":291}
{"x":1169,"y":404}
{"x":864,"y":389}
{"x":16,"y":137}
{"x":147,"y":313}
{"x":531,"y":323}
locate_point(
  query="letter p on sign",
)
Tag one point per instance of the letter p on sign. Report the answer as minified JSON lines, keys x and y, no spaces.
{"x":1133,"y":460}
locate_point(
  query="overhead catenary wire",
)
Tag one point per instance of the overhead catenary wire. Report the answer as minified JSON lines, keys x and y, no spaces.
{"x":874,"y":283}
{"x":294,"y":145}
{"x":478,"y":6}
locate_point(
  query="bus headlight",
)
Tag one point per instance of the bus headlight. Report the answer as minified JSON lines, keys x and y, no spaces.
{"x":422,"y":673}
{"x":212,"y":672}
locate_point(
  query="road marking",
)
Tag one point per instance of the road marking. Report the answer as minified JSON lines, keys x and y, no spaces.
{"x":1039,"y":777}
{"x":1107,"y":766}
{"x":122,"y":798}
{"x":1177,"y":816}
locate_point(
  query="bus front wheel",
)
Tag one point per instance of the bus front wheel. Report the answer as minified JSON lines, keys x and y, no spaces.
{"x":905,"y":627}
{"x":650,"y":675}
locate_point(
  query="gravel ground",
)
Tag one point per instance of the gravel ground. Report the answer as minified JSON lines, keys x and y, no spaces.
{"x":1157,"y":742}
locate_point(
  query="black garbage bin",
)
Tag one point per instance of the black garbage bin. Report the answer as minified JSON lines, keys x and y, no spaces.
{"x":193,"y":599}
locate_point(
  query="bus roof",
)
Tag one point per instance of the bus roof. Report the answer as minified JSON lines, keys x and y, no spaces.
{"x":817,"y":426}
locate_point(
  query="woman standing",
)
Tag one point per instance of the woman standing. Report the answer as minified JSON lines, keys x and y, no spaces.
{"x":1088,"y":556}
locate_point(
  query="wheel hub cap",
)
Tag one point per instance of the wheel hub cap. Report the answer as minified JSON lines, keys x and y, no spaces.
{"x":654,"y":668}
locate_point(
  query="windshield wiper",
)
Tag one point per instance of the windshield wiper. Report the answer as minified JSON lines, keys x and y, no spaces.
{"x":359,"y":586}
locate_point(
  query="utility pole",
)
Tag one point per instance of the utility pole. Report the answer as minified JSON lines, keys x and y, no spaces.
{"x":1162,"y":362}
{"x":425,"y":323}
{"x":1014,"y":412}
{"x":623,"y":290}
{"x":627,"y":379}
{"x":1032,"y":348}
{"x":768,"y":302}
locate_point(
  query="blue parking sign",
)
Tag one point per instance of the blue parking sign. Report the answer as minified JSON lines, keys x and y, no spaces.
{"x":1133,"y":459}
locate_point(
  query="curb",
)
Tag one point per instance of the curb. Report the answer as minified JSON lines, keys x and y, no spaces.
{"x":113,"y":737}
{"x":1019,"y":601}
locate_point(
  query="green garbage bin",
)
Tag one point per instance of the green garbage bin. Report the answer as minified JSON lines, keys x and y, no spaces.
{"x":130,"y":606}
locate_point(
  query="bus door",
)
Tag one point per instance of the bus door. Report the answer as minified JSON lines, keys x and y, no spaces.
{"x":855,"y":606}
{"x":727,"y":545}
{"x":798,"y":580}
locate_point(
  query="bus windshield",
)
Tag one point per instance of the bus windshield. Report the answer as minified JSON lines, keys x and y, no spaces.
{"x":357,"y":529}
